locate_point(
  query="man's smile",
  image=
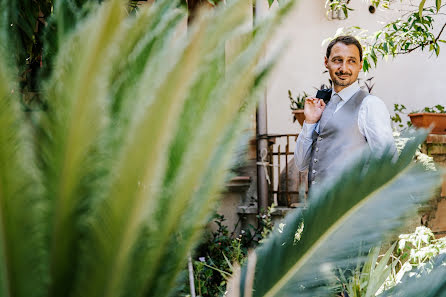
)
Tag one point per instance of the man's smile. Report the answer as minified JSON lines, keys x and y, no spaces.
{"x":343,"y":75}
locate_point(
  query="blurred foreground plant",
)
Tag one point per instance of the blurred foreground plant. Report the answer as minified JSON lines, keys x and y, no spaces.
{"x":356,"y":210}
{"x":109,"y":191}
{"x":368,"y":278}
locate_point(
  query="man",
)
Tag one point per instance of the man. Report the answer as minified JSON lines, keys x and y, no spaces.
{"x":352,"y":120}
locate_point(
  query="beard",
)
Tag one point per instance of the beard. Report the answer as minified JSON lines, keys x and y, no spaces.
{"x":343,"y":83}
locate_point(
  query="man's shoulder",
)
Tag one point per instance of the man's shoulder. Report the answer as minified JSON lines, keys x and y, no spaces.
{"x":373,"y":102}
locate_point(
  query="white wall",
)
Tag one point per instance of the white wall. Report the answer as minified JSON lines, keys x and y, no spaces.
{"x":415,"y":80}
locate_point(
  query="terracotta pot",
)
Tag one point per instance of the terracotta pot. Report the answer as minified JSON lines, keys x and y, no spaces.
{"x":299,"y":116}
{"x":425,"y":120}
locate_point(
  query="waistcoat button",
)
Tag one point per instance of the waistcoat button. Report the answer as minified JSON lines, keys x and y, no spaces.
{"x":315,"y":160}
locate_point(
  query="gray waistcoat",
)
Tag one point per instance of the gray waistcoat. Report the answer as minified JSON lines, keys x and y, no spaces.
{"x":337,"y":141}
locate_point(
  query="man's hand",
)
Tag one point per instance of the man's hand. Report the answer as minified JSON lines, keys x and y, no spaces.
{"x":313,"y":109}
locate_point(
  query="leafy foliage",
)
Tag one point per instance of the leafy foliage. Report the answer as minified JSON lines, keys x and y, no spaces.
{"x":400,"y":109}
{"x":299,"y":102}
{"x":417,"y":255}
{"x":420,"y":246}
{"x":412,"y":31}
{"x":338,"y":5}
{"x":426,"y":282}
{"x":25,"y":23}
{"x":353,"y":210}
{"x":367,"y":278}
{"x":411,"y":256}
{"x":217,"y":255}
{"x":110,"y":190}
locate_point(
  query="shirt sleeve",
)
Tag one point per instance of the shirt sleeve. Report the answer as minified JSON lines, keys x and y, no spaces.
{"x":302,"y":152}
{"x":374,"y":123}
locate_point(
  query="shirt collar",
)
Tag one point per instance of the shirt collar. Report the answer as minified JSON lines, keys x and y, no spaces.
{"x":348,"y":92}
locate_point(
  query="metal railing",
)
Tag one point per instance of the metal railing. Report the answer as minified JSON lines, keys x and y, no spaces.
{"x":287,"y":186}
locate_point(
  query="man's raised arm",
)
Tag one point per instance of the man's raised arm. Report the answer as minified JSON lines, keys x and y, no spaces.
{"x":313,"y":111}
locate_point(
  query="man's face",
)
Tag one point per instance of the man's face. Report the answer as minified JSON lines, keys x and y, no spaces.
{"x":343,"y":65}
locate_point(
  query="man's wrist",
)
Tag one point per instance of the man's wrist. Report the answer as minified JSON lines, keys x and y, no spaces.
{"x":307,"y":129}
{"x":311,"y":122}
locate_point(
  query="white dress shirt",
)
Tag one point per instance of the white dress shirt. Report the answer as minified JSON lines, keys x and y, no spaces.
{"x":373,"y":123}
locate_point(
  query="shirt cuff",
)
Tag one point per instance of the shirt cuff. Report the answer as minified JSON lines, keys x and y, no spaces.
{"x":307,"y":130}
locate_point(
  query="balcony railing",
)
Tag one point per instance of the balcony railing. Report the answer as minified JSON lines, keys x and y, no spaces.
{"x":287,"y":186}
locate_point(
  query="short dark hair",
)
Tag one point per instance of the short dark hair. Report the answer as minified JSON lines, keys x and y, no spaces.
{"x":347,"y":40}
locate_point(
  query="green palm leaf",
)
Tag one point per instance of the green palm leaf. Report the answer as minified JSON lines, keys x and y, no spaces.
{"x":121,"y":130}
{"x":119,"y":218}
{"x":193,"y":215}
{"x":140,"y":43}
{"x":22,"y":257}
{"x":365,"y":203}
{"x":76,"y":97}
{"x":65,"y":16}
{"x":136,"y":197}
{"x":190,"y":195}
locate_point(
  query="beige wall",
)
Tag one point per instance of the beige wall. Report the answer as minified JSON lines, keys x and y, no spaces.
{"x":416,"y":80}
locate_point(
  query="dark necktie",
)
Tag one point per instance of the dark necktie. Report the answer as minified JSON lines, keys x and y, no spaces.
{"x":329,"y":110}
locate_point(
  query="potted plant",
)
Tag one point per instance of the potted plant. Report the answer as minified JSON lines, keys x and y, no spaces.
{"x":430,"y":116}
{"x":297,"y":106}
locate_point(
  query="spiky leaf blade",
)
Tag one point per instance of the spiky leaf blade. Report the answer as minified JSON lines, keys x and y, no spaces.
{"x":23,"y":270}
{"x":354,"y":209}
{"x":71,"y":128}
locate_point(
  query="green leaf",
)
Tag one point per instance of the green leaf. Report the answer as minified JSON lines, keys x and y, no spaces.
{"x":189,"y":148}
{"x":379,"y":273}
{"x":438,"y":5}
{"x":166,"y":137}
{"x":128,"y":92}
{"x":151,"y":129}
{"x":345,"y":10}
{"x":23,"y":258}
{"x":365,"y":65}
{"x":430,"y":282}
{"x":341,"y":215}
{"x":420,"y":8}
{"x":72,"y":128}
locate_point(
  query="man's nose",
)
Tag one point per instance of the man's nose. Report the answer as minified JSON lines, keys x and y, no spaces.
{"x":343,"y":66}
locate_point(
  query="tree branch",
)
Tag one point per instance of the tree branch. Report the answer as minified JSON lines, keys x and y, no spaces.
{"x":424,"y":44}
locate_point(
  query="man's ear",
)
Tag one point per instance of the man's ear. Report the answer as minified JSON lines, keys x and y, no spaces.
{"x":326,"y":62}
{"x":362,"y":62}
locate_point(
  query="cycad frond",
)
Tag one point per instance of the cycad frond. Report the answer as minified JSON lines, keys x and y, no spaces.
{"x":364,"y":204}
{"x":140,"y":42}
{"x":111,"y":149}
{"x":191,"y":192}
{"x":118,"y":221}
{"x":22,"y":256}
{"x":76,"y":96}
{"x":136,"y":194}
